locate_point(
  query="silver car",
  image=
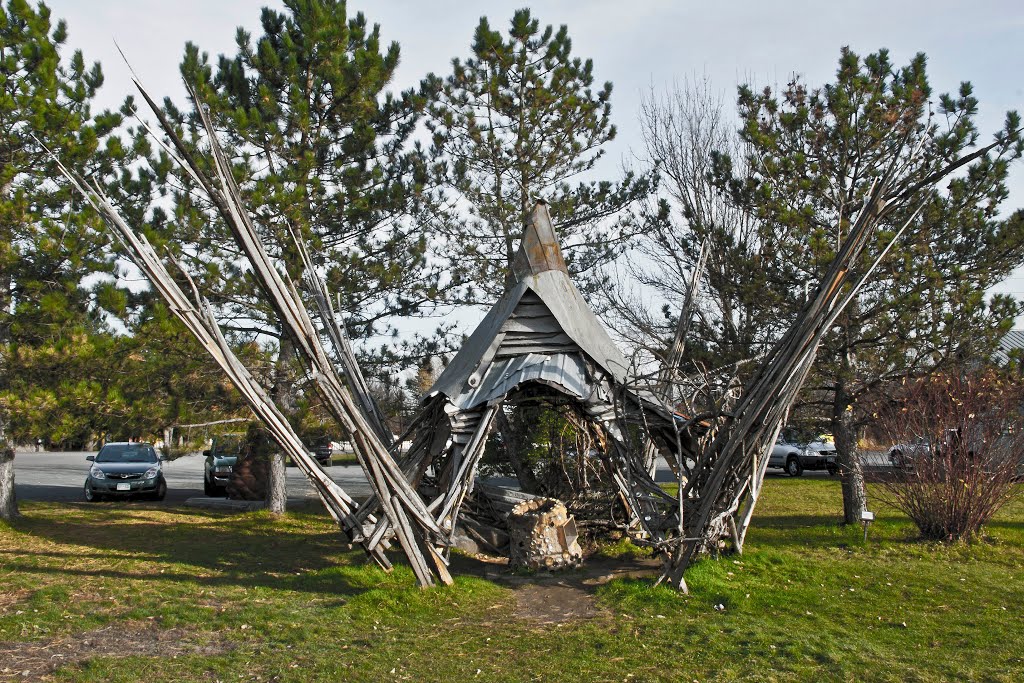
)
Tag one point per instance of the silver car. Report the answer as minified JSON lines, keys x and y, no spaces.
{"x":795,"y":457}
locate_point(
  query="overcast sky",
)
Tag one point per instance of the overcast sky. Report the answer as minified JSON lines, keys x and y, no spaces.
{"x":638,"y":44}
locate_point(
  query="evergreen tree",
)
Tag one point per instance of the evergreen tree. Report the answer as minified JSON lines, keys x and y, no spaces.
{"x":322,"y":152}
{"x":813,"y":156}
{"x":518,"y":120}
{"x":521,"y":119}
{"x":49,"y":251}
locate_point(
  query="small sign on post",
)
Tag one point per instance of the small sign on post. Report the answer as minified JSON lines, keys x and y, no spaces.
{"x":866,"y":518}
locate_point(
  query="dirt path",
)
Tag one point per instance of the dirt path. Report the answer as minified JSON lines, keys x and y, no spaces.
{"x":552,"y":598}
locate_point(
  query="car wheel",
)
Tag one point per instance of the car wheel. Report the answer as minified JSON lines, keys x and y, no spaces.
{"x":208,"y":489}
{"x":793,"y":466}
{"x":161,"y":490}
{"x":329,"y":463}
{"x":90,"y":496}
{"x":833,"y":469}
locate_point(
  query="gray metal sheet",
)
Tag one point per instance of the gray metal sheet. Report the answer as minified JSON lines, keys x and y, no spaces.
{"x":568,"y":308}
{"x":566,"y":371}
{"x":577,"y":319}
{"x":1013,"y":341}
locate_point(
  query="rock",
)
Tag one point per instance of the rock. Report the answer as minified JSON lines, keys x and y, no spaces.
{"x":464,"y":543}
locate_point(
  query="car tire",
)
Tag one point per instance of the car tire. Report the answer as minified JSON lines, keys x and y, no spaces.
{"x":793,"y":466}
{"x":161,"y":490}
{"x":90,"y":495}
{"x":833,"y":470}
{"x":329,"y":463}
{"x":209,"y":490}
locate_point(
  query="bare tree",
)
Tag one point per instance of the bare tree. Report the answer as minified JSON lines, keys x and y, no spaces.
{"x":688,"y":135}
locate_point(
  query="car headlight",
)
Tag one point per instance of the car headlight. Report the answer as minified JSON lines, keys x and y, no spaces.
{"x":96,"y":473}
{"x":222,"y":469}
{"x":152,"y":472}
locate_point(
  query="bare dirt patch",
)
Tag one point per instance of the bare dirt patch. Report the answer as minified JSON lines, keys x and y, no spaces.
{"x":36,"y":660}
{"x":10,"y":598}
{"x":554,"y":603}
{"x":553,"y":598}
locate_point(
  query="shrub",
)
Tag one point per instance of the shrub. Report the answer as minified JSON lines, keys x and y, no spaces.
{"x":961,"y":442}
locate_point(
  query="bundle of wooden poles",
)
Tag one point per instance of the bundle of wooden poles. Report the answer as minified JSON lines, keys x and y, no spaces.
{"x":406,"y":516}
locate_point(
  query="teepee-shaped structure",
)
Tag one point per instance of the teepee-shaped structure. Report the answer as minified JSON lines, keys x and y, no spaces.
{"x":540,"y":336}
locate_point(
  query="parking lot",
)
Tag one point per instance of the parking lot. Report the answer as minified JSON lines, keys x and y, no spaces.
{"x":61,"y":477}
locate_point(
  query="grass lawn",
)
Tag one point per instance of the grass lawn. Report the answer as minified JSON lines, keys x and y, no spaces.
{"x":340,"y":459}
{"x":123,"y":592}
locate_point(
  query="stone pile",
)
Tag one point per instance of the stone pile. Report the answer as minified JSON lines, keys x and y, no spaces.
{"x":542,"y":535}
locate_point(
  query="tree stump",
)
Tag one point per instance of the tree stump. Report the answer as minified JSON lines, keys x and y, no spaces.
{"x":542,"y":535}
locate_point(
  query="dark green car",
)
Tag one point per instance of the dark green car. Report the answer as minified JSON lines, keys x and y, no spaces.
{"x":124,"y":470}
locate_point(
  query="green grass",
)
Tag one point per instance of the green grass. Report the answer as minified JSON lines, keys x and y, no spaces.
{"x":344,"y":459}
{"x":808,"y":601}
{"x":339,"y":459}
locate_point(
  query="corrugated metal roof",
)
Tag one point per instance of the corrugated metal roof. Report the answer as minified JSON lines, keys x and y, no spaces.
{"x":566,"y":371}
{"x":557,"y":321}
{"x":1013,"y":340}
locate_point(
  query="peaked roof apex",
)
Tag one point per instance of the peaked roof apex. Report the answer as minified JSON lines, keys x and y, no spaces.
{"x":538,"y":250}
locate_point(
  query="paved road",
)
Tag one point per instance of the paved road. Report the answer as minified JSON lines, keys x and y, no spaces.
{"x":61,"y":477}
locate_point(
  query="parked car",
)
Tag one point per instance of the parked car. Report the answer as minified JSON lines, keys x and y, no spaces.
{"x":795,"y":457}
{"x":323,"y":451}
{"x":956,"y":442}
{"x":123,"y":470}
{"x":903,"y":455}
{"x":220,"y":459}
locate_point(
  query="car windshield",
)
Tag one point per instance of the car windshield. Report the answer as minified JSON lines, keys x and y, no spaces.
{"x":127,"y":452}
{"x":227,"y":446}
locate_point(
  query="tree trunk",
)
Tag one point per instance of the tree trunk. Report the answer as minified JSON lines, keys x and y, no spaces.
{"x":284,"y":396}
{"x":512,"y":446}
{"x":8,"y":499}
{"x":850,"y":470}
{"x":277,"y":490}
{"x":168,"y":440}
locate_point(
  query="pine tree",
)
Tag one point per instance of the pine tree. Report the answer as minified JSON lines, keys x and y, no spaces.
{"x":814,"y":155}
{"x":521,"y":119}
{"x":48,"y":248}
{"x":518,"y":120}
{"x":322,"y":152}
